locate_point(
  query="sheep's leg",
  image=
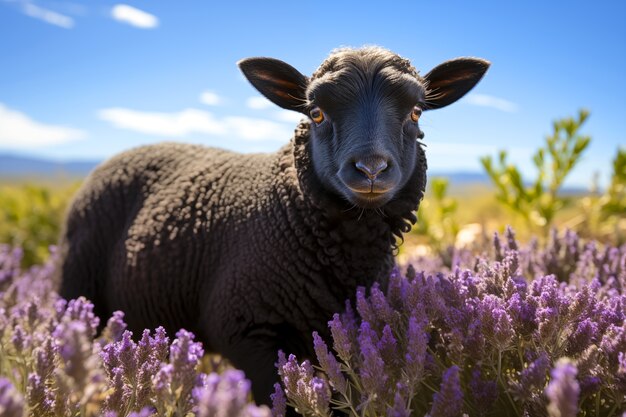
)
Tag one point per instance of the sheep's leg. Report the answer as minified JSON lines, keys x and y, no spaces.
{"x":256,"y":356}
{"x":82,"y":270}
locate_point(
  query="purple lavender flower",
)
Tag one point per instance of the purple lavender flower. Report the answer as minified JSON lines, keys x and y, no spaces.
{"x":319,"y":394}
{"x":81,"y":310}
{"x":563,"y":390}
{"x":484,"y":392}
{"x":417,"y":344}
{"x":586,"y":333}
{"x":279,"y":402}
{"x":115,"y":327}
{"x":388,"y":348}
{"x":534,"y":375}
{"x":309,"y":394}
{"x":448,"y":402}
{"x":145,"y":412}
{"x":399,"y":408}
{"x":40,"y":398}
{"x":380,"y":307}
{"x":372,"y":370}
{"x":329,"y":364}
{"x":19,"y":339}
{"x":341,"y":338}
{"x":121,"y":393}
{"x":226,"y":395}
{"x":11,"y":401}
{"x":75,"y":349}
{"x":125,"y":351}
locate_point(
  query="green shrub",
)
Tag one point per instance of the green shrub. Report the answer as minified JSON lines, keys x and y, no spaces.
{"x":539,"y":201}
{"x":31,"y":217}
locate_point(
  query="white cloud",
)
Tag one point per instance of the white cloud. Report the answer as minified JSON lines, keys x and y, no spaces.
{"x":210,"y":98}
{"x":493,"y":102}
{"x":48,"y":16}
{"x":19,"y":131}
{"x":257,"y":129}
{"x":189,"y":121}
{"x":134,"y":17}
{"x":258,"y":103}
{"x":163,"y":124}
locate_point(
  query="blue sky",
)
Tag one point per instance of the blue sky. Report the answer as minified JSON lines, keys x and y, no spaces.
{"x":85,"y":80}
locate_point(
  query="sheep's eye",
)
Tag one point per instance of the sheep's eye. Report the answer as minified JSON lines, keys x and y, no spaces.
{"x":316,"y":115}
{"x":416,"y":113}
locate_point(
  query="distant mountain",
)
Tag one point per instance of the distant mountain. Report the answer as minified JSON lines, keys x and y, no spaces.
{"x":14,"y":166}
{"x":461,"y":177}
{"x":21,"y":166}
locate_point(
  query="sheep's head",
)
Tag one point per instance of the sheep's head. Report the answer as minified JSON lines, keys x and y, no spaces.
{"x":364,"y":105}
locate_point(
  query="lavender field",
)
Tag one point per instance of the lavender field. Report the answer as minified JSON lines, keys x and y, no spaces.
{"x":509,"y":331}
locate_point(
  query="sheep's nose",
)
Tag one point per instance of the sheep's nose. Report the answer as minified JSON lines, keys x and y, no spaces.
{"x":371,"y":167}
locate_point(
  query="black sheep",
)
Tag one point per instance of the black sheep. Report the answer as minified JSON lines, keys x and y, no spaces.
{"x":254,"y":252}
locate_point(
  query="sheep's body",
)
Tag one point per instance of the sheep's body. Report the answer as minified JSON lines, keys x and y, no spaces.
{"x":254,"y":252}
{"x":224,"y":244}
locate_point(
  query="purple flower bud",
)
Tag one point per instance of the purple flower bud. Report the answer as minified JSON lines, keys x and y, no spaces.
{"x":484,"y":393}
{"x":117,"y":399}
{"x":388,"y":348}
{"x":75,"y":349}
{"x":329,"y":364}
{"x":115,"y":326}
{"x":82,"y":310}
{"x":534,"y":375}
{"x":384,"y":313}
{"x":320,"y":394}
{"x":399,"y":408}
{"x":372,"y":370}
{"x":621,"y":363}
{"x":522,"y":313}
{"x":341,"y":338}
{"x":145,"y":412}
{"x":547,"y":324}
{"x":363,"y":307}
{"x":44,"y":359}
{"x":11,"y":401}
{"x":226,"y":395}
{"x":291,"y":372}
{"x":590,"y":385}
{"x":613,"y":342}
{"x":417,"y":344}
{"x":40,"y":397}
{"x":160,"y":344}
{"x":185,"y":354}
{"x":279,"y":402}
{"x":125,"y":350}
{"x":19,"y":338}
{"x":396,"y":289}
{"x":448,"y":402}
{"x":162,"y":382}
{"x":586,"y":333}
{"x":147,"y":369}
{"x":563,"y":390}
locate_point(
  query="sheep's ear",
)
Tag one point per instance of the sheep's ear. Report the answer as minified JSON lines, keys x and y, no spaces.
{"x":451,"y":80}
{"x":278,"y":81}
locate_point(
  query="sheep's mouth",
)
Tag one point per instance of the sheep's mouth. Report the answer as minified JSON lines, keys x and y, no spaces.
{"x":370,"y":200}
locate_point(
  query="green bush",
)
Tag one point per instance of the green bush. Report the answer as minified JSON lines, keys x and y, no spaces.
{"x":437,"y":218}
{"x":539,"y":201}
{"x":31,"y":216}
